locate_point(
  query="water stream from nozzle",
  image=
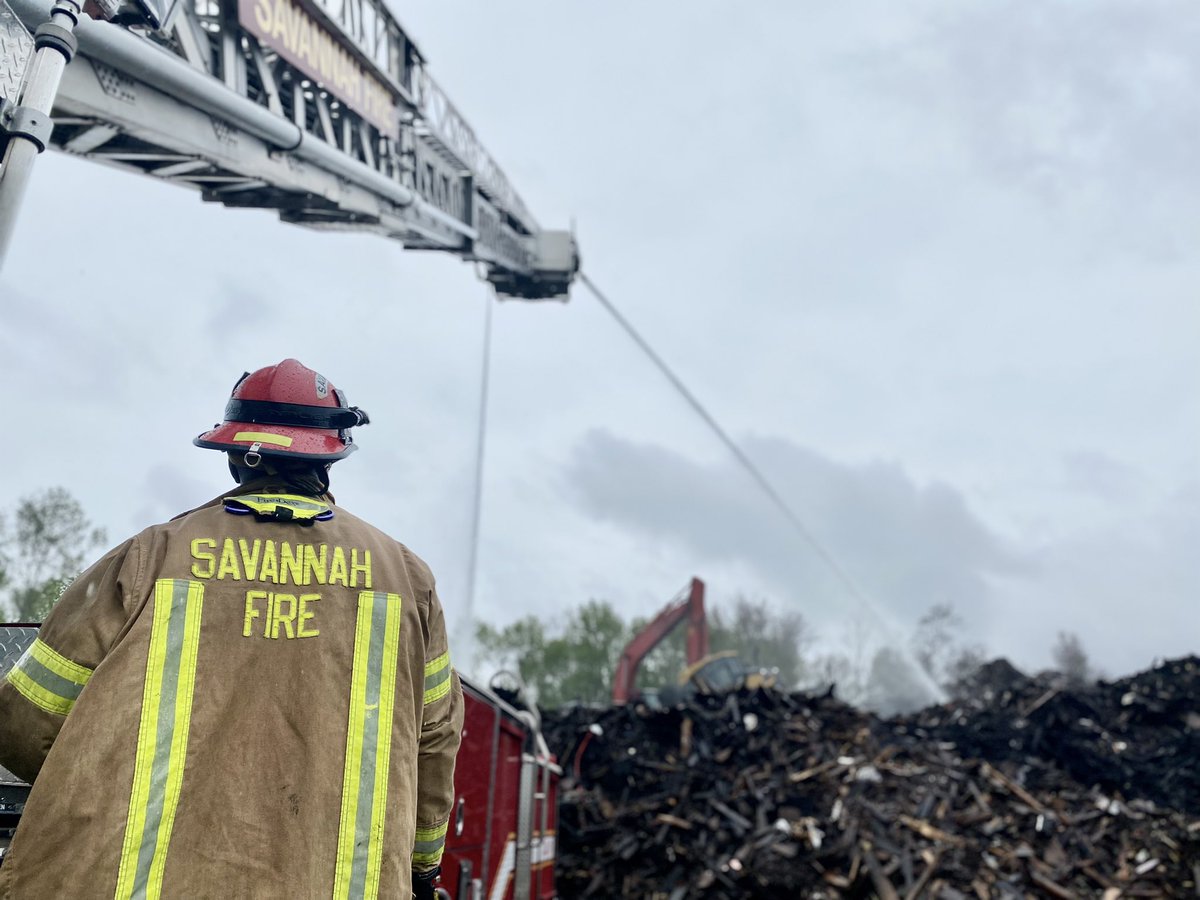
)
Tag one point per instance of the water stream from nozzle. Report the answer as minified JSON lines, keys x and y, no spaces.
{"x":464,"y":626}
{"x":937,"y":694}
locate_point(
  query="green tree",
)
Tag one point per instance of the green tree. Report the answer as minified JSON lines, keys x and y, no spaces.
{"x":5,"y":562}
{"x":762,"y":637}
{"x":47,"y":546}
{"x":1071,"y":659}
{"x":574,"y":665}
{"x":938,"y":647}
{"x":519,"y":647}
{"x":838,"y":671}
{"x":587,"y":653}
{"x":662,"y":665}
{"x":935,"y":637}
{"x":846,"y":667}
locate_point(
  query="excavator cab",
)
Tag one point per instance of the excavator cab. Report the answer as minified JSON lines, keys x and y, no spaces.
{"x":721,"y":673}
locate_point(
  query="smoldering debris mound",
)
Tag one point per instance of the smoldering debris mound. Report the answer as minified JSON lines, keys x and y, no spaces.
{"x":1138,"y":737}
{"x":1025,"y":787}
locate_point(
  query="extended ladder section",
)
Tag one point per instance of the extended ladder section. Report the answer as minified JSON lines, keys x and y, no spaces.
{"x":321,"y":109}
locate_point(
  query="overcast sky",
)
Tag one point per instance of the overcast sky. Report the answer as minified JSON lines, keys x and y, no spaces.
{"x":933,"y":264}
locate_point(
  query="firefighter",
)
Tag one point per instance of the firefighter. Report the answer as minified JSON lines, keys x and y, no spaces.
{"x":252,"y":700}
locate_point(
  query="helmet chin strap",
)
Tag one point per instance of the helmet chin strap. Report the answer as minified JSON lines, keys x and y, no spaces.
{"x":306,"y":479}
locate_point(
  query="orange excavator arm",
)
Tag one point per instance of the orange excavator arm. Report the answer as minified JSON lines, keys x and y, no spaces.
{"x":688,"y":606}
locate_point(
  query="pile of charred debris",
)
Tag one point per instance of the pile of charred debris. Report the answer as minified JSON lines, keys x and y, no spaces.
{"x":1024,"y":788}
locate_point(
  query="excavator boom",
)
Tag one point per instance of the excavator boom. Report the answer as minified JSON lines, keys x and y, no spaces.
{"x":688,"y":606}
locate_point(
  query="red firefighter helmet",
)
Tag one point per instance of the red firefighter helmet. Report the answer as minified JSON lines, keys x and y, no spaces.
{"x":286,"y":411}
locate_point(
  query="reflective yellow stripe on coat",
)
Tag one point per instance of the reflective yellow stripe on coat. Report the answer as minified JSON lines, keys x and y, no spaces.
{"x":47,"y":679}
{"x":428,"y":847}
{"x":162,"y":737}
{"x":368,"y":746}
{"x":437,"y":678}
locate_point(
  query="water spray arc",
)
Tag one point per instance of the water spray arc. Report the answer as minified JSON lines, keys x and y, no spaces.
{"x":760,"y":479}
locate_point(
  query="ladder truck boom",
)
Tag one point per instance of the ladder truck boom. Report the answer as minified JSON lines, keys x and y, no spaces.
{"x":323,"y":110}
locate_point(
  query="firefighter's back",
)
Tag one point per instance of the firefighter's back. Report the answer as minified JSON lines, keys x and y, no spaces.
{"x":258,"y":697}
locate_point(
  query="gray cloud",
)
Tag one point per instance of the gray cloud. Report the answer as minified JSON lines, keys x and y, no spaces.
{"x":909,"y":545}
{"x":1102,"y":476}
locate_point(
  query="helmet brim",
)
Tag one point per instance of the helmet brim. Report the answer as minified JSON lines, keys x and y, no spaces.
{"x":284,"y":442}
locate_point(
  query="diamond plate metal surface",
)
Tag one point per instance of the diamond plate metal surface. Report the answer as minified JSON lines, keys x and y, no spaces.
{"x":15,"y":47}
{"x":13,"y":641}
{"x":114,"y":83}
{"x":224,"y":132}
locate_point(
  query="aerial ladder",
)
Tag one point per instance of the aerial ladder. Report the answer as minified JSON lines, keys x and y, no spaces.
{"x":323,"y":110}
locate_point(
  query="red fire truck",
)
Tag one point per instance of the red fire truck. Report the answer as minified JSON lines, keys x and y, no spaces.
{"x":502,"y":835}
{"x":502,"y":831}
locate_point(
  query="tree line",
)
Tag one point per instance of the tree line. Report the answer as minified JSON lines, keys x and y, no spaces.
{"x":574,"y":659}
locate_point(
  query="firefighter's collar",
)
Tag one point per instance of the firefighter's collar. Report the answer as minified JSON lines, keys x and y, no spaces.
{"x":280,"y":507}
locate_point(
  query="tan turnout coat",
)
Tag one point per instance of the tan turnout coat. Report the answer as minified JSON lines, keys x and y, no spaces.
{"x":226,"y":706}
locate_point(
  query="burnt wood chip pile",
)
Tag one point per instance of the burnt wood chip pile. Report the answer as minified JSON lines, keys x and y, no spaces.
{"x":1027,"y":789}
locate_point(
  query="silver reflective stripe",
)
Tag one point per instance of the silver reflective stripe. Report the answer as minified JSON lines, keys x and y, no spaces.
{"x":63,"y":687}
{"x":437,"y":678}
{"x":428,"y":846}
